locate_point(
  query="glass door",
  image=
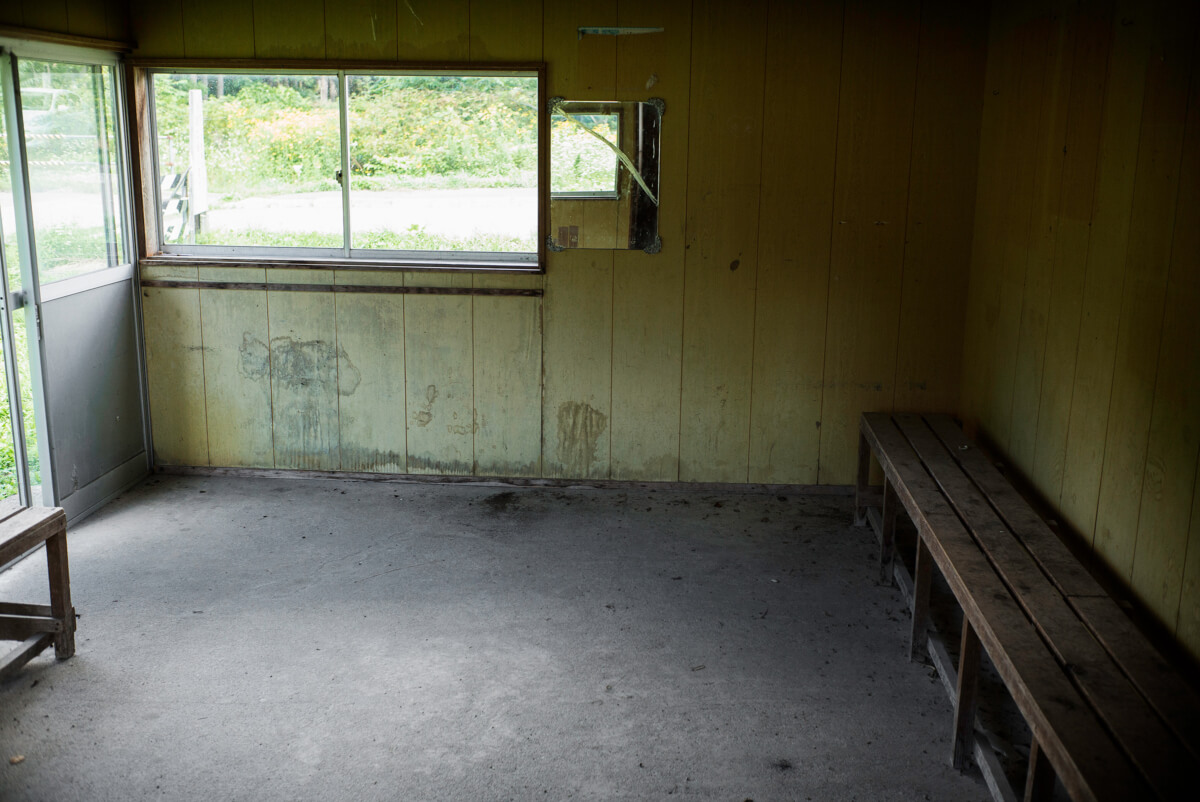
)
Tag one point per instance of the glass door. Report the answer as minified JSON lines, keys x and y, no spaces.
{"x":70,"y":329}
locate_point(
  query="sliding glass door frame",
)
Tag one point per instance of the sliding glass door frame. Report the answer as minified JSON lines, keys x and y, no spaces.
{"x":32,"y":295}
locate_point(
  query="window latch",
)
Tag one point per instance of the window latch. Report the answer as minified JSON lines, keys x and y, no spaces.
{"x":338,"y":175}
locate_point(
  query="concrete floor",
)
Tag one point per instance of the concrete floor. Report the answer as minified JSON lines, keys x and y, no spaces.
{"x":299,"y":639}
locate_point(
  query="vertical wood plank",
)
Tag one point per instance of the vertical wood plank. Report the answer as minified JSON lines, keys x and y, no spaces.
{"x":361,"y":29}
{"x":45,"y":15}
{"x":175,"y":375}
{"x":1151,"y":226}
{"x":439,"y":379}
{"x":577,"y":394}
{"x":506,"y":30}
{"x":237,"y":373}
{"x":578,"y":336}
{"x":1048,"y":155}
{"x":432,"y":30}
{"x":803,"y":70}
{"x":12,"y":14}
{"x":87,"y":18}
{"x":1071,"y":246}
{"x":218,"y":28}
{"x":647,"y":291}
{"x":289,"y":28}
{"x":941,"y":198}
{"x":1188,"y":627}
{"x":372,"y":399}
{"x":508,"y":382}
{"x":1174,"y":440}
{"x":879,"y":65}
{"x":157,"y":27}
{"x":305,"y":361}
{"x":1088,"y":420}
{"x":724,"y":162}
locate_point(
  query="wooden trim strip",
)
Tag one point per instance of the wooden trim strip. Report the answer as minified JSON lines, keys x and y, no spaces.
{"x":73,"y":40}
{"x":358,"y":289}
{"x":350,"y":65}
{"x":340,"y":263}
{"x":602,"y":484}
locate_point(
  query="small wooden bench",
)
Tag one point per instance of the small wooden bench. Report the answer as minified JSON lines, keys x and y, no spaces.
{"x":1108,"y":715}
{"x":37,"y":625}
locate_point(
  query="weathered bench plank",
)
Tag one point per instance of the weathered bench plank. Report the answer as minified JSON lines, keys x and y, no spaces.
{"x":37,"y":625}
{"x":1163,"y":760}
{"x":1174,"y":700}
{"x":1089,"y":763}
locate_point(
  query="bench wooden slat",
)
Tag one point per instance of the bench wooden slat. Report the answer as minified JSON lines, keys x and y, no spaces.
{"x":1175,"y":700}
{"x":1089,"y":763}
{"x":30,"y":648}
{"x":1155,"y":749}
{"x":27,"y":529}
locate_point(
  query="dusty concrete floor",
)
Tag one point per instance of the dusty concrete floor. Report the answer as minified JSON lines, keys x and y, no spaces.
{"x":341,"y":640}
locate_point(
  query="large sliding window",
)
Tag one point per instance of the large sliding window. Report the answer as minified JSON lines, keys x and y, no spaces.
{"x":415,"y":168}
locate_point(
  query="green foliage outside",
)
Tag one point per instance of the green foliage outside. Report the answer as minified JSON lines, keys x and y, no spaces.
{"x":578,"y":161}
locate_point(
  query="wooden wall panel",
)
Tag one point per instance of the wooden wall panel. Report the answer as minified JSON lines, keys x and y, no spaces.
{"x":1110,"y":287}
{"x":1173,"y":445}
{"x":371,"y":382}
{"x":508,"y":383}
{"x":724,"y":163}
{"x":46,"y":15}
{"x":1151,"y":226}
{"x":361,"y":29}
{"x":175,"y":370}
{"x":431,"y":30}
{"x":439,"y":378}
{"x":289,"y":28}
{"x":647,"y":290}
{"x":506,"y":30}
{"x":218,"y":28}
{"x":1048,"y":159}
{"x":157,"y":27}
{"x":799,"y":141}
{"x":87,"y":17}
{"x":1082,"y":146}
{"x":576,"y":404}
{"x":879,"y":67}
{"x":1120,"y":130}
{"x":237,"y":377}
{"x":941,"y":199}
{"x":305,"y":361}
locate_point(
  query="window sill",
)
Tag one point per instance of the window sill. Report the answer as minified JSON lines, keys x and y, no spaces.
{"x":423,"y":265}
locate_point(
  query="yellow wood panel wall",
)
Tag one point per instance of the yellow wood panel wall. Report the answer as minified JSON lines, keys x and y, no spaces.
{"x":102,"y":19}
{"x":818,"y":166}
{"x":1082,"y":360}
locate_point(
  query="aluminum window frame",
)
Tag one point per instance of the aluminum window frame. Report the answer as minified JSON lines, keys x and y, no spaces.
{"x":346,"y":256}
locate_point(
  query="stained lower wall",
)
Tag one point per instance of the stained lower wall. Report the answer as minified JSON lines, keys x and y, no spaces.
{"x":1082,"y":358}
{"x":817,"y":178}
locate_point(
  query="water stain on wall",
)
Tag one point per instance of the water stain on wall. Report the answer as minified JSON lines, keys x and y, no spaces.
{"x":299,"y":363}
{"x":424,"y":416}
{"x":579,"y":430}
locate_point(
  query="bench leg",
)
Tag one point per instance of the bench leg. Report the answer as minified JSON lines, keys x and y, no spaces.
{"x":917,"y":646}
{"x":60,"y":594}
{"x":1039,"y":781}
{"x":861,"y":483}
{"x":964,"y":702}
{"x":887,"y":535}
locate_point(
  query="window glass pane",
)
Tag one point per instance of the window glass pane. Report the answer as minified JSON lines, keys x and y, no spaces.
{"x":581,"y":163}
{"x":263,"y":167}
{"x":74,"y":175}
{"x":444,"y":163}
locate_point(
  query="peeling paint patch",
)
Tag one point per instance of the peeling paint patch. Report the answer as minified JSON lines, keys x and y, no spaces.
{"x":579,"y":430}
{"x":254,"y":360}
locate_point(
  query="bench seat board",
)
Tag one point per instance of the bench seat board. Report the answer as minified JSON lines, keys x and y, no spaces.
{"x":1087,"y":760}
{"x":27,"y":529}
{"x":1162,"y":686}
{"x":1155,"y":749}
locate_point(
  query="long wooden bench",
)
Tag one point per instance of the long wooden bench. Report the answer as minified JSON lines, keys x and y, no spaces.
{"x":1108,"y":715}
{"x":37,"y":626}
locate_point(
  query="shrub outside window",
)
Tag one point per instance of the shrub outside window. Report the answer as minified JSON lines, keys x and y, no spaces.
{"x":416,"y":168}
